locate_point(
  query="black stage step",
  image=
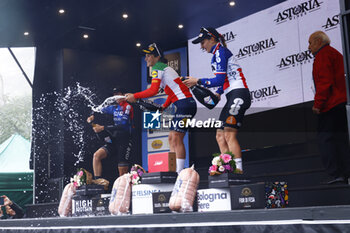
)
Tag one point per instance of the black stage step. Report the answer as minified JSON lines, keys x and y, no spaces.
{"x":321,"y":195}
{"x":291,"y":163}
{"x":305,"y":219}
{"x":42,"y":210}
{"x":298,"y":164}
{"x":280,"y":151}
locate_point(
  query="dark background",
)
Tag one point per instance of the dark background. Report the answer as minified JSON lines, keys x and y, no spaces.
{"x":52,"y":145}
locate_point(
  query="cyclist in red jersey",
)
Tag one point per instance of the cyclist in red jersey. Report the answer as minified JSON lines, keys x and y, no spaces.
{"x":163,"y":76}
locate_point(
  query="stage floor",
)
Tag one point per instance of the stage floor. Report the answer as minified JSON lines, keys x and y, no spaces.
{"x":303,"y":219}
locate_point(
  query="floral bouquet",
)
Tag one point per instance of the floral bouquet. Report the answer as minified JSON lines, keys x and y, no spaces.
{"x":223,"y":163}
{"x":82,"y":177}
{"x":136,"y":172}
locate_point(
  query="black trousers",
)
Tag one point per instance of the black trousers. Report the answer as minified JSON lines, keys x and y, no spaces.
{"x":121,"y":145}
{"x":333,"y":141}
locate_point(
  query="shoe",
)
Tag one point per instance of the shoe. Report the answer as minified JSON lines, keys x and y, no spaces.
{"x":337,"y":180}
{"x":101,"y":181}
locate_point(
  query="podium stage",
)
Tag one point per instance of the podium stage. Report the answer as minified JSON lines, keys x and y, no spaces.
{"x":298,"y":219}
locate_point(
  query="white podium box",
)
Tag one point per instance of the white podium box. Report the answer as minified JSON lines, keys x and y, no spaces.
{"x":142,"y":196}
{"x":213,"y":199}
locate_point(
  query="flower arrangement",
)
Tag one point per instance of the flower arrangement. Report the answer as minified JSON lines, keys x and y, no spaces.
{"x":82,"y":177}
{"x":136,"y":173}
{"x":223,"y":163}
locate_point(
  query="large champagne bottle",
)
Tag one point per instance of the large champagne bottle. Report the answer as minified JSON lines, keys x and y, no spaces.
{"x":204,"y":95}
{"x":104,"y":135}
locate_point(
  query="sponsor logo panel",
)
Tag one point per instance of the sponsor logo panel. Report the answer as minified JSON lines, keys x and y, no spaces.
{"x":229,"y":36}
{"x":264,"y":93}
{"x":298,"y":11}
{"x":296,"y":59}
{"x":256,"y":48}
{"x":331,"y":23}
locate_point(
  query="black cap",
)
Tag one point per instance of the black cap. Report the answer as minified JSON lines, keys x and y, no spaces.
{"x":206,"y":33}
{"x":118,"y":90}
{"x":153,"y":49}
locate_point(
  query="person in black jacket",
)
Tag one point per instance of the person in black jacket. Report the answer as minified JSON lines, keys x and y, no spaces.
{"x":1,"y":214}
{"x":13,"y":210}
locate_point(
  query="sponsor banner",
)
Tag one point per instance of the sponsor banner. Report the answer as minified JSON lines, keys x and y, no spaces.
{"x":271,"y":46}
{"x":161,"y":202}
{"x":293,"y":10}
{"x":157,"y":144}
{"x":90,"y":205}
{"x":174,"y":61}
{"x":162,"y":162}
{"x":142,"y":196}
{"x":213,"y":200}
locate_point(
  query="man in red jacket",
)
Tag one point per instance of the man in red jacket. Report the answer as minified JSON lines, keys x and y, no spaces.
{"x":329,"y":105}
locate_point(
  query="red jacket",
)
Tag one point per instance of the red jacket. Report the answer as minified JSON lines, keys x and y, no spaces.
{"x":329,"y":79}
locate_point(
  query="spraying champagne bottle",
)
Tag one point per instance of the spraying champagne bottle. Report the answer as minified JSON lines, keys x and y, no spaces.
{"x":104,"y":135}
{"x":107,"y":102}
{"x":204,"y":95}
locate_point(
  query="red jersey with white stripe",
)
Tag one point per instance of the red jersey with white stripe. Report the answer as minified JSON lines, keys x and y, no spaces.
{"x":165,"y":77}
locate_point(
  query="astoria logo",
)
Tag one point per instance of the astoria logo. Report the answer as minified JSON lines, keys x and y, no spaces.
{"x":295,"y":60}
{"x":331,"y":23}
{"x":298,"y":11}
{"x":229,"y":36}
{"x":256,"y":48}
{"x":264,"y":93}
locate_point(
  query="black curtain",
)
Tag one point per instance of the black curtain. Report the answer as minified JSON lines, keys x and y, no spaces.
{"x":54,"y":146}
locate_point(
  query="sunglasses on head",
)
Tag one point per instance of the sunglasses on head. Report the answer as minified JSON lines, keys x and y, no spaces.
{"x":206,"y":30}
{"x":154,"y":45}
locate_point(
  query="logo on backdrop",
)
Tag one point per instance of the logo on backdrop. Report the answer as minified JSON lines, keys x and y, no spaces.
{"x":151,"y":120}
{"x":264,"y":93}
{"x":297,"y":59}
{"x":157,"y":144}
{"x":332,"y":23}
{"x":300,"y":10}
{"x":256,"y":48}
{"x":174,"y":61}
{"x":229,"y":36}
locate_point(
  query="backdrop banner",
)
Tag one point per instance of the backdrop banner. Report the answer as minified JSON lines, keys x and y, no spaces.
{"x":271,"y":46}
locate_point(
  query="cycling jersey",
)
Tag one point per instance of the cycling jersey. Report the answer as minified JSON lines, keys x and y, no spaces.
{"x":228,"y":73}
{"x":120,"y":140}
{"x":123,"y":115}
{"x":165,"y":77}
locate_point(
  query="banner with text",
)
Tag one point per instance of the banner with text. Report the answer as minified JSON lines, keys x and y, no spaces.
{"x":271,"y":46}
